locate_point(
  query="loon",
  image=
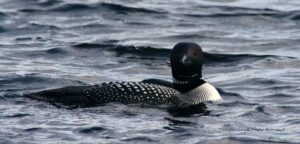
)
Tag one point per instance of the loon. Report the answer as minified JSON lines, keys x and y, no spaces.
{"x":188,"y":87}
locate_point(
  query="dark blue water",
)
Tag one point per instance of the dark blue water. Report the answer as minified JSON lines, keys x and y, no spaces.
{"x":252,"y":55}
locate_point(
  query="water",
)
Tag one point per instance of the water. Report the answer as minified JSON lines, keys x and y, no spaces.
{"x":252,"y":55}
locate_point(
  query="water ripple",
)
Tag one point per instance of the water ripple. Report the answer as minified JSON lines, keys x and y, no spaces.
{"x":251,"y":56}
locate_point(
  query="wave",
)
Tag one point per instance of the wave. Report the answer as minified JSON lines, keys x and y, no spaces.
{"x":210,"y":11}
{"x":140,"y":139}
{"x":263,"y":82}
{"x":210,"y":35}
{"x":230,"y":14}
{"x":92,"y":130}
{"x":2,"y":15}
{"x":29,"y":28}
{"x":23,"y":38}
{"x":294,"y":15}
{"x":51,"y":53}
{"x":28,"y":78}
{"x":121,"y":49}
{"x":258,"y":110}
{"x":224,"y":11}
{"x":2,"y":29}
{"x":210,"y":57}
{"x":18,"y":115}
{"x":43,"y":26}
{"x":279,"y":96}
{"x":229,"y":94}
{"x":15,"y":82}
{"x":231,"y":11}
{"x":251,"y":139}
{"x":122,"y":8}
{"x":163,"y":52}
{"x":236,"y":103}
{"x":46,"y":3}
{"x":59,"y":8}
{"x":56,"y":51}
{"x":282,"y":87}
{"x":71,"y":7}
{"x":280,"y":15}
{"x":35,"y":129}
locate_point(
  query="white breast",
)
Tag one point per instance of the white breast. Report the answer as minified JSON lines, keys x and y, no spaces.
{"x":203,"y":93}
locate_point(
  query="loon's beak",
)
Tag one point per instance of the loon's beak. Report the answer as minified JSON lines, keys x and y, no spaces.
{"x":186,"y":60}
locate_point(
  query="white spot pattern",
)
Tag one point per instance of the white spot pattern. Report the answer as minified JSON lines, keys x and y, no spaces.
{"x":132,"y":92}
{"x":203,"y":93}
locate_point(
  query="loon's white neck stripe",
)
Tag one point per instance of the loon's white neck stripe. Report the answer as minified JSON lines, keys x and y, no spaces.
{"x":203,"y":93}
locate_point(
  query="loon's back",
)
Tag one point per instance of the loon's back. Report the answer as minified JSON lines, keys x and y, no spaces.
{"x":122,"y":92}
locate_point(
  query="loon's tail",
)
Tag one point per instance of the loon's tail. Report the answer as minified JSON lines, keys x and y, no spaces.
{"x":71,"y":95}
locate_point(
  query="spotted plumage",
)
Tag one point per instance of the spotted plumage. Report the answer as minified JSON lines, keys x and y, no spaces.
{"x":188,"y":87}
{"x":121,"y":92}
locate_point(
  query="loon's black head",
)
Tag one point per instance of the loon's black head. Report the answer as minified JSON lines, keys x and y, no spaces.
{"x":186,"y":63}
